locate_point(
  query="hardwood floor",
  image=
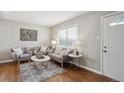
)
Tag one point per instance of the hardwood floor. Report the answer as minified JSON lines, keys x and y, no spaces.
{"x":9,"y":72}
{"x":81,"y":75}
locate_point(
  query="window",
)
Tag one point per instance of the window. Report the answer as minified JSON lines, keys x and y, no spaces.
{"x":62,"y":37}
{"x":67,"y":35}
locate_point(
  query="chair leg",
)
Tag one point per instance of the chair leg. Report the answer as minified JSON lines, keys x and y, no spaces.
{"x":18,"y":62}
{"x":62,"y":65}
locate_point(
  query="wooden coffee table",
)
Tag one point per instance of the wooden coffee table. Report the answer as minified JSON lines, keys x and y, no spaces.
{"x":40,"y":64}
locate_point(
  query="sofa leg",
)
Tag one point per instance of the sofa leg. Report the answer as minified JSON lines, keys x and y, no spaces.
{"x":29,"y":60}
{"x":62,"y":67}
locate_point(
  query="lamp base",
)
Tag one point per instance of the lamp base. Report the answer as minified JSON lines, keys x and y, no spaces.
{"x":77,"y":53}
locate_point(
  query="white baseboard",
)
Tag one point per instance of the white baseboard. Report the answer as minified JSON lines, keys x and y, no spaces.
{"x":87,"y":68}
{"x":6,"y":61}
{"x":90,"y":69}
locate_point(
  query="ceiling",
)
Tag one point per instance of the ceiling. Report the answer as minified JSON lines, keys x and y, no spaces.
{"x":45,"y":18}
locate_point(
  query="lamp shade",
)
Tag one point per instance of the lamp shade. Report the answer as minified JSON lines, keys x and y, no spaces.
{"x":76,"y":43}
{"x":53,"y":42}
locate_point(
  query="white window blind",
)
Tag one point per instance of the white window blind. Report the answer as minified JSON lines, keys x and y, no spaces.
{"x":62,"y":37}
{"x":67,"y":35}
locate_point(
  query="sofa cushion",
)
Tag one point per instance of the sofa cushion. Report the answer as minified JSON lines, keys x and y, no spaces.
{"x":24,"y":49}
{"x":57,"y":57}
{"x":29,"y":51}
{"x":24,"y":56}
{"x":58,"y":50}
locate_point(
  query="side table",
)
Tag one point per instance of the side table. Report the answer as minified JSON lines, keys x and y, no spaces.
{"x":77,"y":57}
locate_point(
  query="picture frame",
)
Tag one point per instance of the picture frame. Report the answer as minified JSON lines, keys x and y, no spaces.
{"x":28,"y":34}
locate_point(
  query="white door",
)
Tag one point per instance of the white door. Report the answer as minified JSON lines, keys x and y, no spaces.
{"x":113,"y":46}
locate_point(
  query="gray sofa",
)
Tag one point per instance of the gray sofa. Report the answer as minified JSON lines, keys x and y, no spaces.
{"x":61,"y":55}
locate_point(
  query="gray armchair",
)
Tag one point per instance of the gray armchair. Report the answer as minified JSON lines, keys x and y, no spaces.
{"x":20,"y":57}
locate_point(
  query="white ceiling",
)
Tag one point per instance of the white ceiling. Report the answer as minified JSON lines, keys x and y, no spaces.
{"x":45,"y":18}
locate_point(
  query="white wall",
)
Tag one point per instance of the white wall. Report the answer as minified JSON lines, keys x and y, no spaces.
{"x":89,"y":30}
{"x":10,"y":37}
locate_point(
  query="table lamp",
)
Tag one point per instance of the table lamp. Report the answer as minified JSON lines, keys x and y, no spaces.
{"x":76,"y":44}
{"x":53,"y":42}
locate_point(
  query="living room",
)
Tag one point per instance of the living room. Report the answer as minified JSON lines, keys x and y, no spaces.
{"x":52,"y":46}
{"x":61,"y":46}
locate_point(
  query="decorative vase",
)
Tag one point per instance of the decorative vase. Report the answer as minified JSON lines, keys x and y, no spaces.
{"x":77,"y":53}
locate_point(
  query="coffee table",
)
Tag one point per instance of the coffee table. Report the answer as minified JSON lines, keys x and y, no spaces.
{"x":40,"y":64}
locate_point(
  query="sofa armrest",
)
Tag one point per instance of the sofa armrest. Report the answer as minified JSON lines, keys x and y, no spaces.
{"x":64,"y":58}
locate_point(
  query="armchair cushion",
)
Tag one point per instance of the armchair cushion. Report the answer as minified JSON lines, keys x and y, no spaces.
{"x":24,"y":56}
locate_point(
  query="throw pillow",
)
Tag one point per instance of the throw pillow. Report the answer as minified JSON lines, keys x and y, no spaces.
{"x":36,"y":50}
{"x":67,"y":51}
{"x":29,"y":51}
{"x":43,"y":49}
{"x":24,"y":49}
{"x":18,"y":51}
{"x":62,"y":52}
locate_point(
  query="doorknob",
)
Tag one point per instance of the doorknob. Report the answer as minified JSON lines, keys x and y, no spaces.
{"x":105,"y":46}
{"x":105,"y":51}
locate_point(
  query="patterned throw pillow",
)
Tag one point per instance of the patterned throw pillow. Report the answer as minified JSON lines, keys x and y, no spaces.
{"x":36,"y":50}
{"x":43,"y":50}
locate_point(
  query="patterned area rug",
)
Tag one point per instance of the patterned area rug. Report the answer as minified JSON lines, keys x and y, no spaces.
{"x":30,"y":74}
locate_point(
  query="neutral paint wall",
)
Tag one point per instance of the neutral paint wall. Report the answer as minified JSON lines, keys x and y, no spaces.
{"x":89,"y":36}
{"x":10,"y":37}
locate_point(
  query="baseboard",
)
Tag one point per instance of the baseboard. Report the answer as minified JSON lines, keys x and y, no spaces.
{"x":90,"y":69}
{"x":6,"y":61}
{"x":87,"y":68}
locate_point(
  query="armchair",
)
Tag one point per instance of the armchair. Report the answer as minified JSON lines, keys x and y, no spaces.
{"x":18,"y":55}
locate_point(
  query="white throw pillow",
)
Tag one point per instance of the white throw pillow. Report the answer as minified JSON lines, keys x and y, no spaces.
{"x":18,"y":51}
{"x":67,"y":51}
{"x":43,"y":49}
{"x":62,"y":53}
